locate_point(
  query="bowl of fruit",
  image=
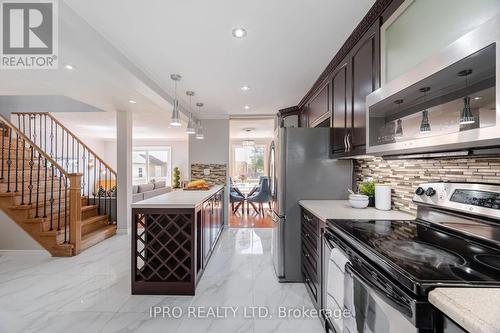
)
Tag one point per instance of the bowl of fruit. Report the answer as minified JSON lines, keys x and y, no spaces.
{"x":197,"y":185}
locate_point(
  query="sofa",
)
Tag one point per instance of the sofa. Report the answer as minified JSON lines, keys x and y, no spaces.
{"x":146,"y":191}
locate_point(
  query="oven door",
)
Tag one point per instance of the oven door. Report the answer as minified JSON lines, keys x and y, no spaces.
{"x":372,"y":309}
{"x":334,"y":262}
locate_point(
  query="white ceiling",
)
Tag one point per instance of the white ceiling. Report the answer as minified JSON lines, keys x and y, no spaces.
{"x":102,"y":125}
{"x":262,"y":128}
{"x":126,"y":49}
{"x":289,"y":43}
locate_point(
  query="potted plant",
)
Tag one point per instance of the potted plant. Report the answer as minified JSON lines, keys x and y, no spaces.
{"x":177,"y":178}
{"x":368,"y":188}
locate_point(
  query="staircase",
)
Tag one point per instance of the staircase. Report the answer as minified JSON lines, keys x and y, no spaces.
{"x":54,"y":186}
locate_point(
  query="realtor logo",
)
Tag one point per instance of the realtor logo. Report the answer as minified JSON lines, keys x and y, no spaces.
{"x":29,"y":34}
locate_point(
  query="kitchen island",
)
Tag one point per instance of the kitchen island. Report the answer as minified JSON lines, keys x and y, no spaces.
{"x":173,"y":236}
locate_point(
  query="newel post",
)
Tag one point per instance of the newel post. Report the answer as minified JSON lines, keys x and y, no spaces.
{"x":75,"y":211}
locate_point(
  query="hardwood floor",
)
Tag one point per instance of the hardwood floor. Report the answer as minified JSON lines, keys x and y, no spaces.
{"x":251,"y":220}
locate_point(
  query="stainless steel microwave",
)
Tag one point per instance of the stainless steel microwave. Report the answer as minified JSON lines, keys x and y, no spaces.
{"x":450,"y":102}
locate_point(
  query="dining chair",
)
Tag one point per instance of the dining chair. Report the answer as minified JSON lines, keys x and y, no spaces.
{"x":236,"y":196}
{"x":262,"y":195}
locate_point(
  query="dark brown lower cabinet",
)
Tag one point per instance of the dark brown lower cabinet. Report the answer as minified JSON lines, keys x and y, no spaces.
{"x":311,"y":256}
{"x":171,"y":247}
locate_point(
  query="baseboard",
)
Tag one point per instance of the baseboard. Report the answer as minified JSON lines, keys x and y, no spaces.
{"x":123,"y":231}
{"x":25,"y":252}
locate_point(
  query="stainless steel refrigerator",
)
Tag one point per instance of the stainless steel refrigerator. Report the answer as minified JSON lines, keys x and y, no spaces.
{"x":300,"y":168}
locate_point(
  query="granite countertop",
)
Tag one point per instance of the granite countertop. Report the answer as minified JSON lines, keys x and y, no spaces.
{"x":477,"y":310}
{"x":177,"y":199}
{"x":340,"y":209}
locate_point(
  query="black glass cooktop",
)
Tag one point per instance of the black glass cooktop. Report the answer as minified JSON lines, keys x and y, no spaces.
{"x":421,"y":253}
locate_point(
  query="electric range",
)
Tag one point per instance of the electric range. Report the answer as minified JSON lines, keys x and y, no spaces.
{"x":454,"y":241}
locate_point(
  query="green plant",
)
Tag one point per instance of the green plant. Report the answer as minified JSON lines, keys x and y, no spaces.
{"x":367,"y":188}
{"x":177,"y":178}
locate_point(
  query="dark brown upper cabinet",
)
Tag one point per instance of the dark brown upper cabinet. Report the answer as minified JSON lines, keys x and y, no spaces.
{"x":318,"y":109}
{"x":340,"y":121}
{"x":354,"y":79}
{"x":365,"y":74}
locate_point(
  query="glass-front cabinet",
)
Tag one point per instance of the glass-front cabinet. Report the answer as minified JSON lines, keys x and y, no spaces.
{"x":447,"y":103}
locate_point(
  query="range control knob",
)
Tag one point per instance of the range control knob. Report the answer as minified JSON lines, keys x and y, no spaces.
{"x":430,"y":192}
{"x":419,"y":191}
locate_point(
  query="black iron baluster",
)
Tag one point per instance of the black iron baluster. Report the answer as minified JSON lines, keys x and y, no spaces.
{"x":62,"y":149}
{"x":59,"y":205}
{"x":30,"y":186}
{"x":22,"y":172}
{"x":45,"y":132}
{"x":51,"y":196}
{"x":94,"y":180}
{"x":67,"y":151}
{"x":73,"y":154}
{"x":40,"y":140}
{"x":55,"y":148}
{"x":38,"y":183}
{"x":30,"y":118}
{"x":9,"y":160}
{"x":99,"y":188}
{"x":65,"y":209}
{"x":110,"y":195}
{"x":3,"y":148}
{"x":17,"y":160}
{"x":46,"y":170}
{"x":105,"y":189}
{"x":88,"y":176}
{"x":78,"y":157}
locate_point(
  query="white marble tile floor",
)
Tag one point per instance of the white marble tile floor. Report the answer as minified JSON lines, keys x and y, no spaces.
{"x":91,"y":292}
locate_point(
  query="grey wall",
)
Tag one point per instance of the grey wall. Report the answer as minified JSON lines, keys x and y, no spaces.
{"x":214,"y":149}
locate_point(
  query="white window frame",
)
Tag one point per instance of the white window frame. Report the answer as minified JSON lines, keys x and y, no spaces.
{"x":147,"y":149}
{"x":257,"y":144}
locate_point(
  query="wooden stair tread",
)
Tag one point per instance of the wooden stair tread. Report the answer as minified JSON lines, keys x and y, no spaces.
{"x":94,"y":219}
{"x":97,"y":236}
{"x":88,"y":207}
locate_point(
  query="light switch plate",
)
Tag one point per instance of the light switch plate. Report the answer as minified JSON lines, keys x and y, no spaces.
{"x":206,"y":172}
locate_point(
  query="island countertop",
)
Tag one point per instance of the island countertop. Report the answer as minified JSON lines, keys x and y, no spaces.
{"x":178,"y":199}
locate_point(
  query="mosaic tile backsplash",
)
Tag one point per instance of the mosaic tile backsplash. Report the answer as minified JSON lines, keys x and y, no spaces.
{"x":217,"y":174}
{"x":405,"y":175}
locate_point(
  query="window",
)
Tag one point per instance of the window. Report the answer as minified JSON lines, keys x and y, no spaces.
{"x":248,"y":164}
{"x":151,"y":165}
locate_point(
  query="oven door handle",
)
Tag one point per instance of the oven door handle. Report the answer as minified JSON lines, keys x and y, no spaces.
{"x":404,"y":308}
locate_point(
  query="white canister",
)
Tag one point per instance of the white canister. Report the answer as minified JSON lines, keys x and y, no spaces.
{"x":383,"y":197}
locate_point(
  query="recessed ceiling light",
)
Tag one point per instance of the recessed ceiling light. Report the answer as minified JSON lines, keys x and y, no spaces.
{"x":131,"y":101}
{"x":69,"y":67}
{"x":247,"y":107}
{"x":477,"y":98}
{"x":239,"y":33}
{"x":245,"y":88}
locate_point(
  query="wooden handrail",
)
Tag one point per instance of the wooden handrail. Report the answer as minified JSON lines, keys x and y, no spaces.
{"x":35,"y":146}
{"x":72,"y":134}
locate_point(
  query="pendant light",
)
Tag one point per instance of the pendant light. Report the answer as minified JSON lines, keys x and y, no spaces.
{"x":466,"y":116}
{"x":248,"y":143}
{"x":399,"y":123}
{"x":425,"y":126}
{"x":199,"y":128}
{"x":175,"y":120}
{"x":190,"y":129}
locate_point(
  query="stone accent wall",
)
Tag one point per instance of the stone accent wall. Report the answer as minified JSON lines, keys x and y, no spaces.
{"x":217,"y":173}
{"x":405,"y":175}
